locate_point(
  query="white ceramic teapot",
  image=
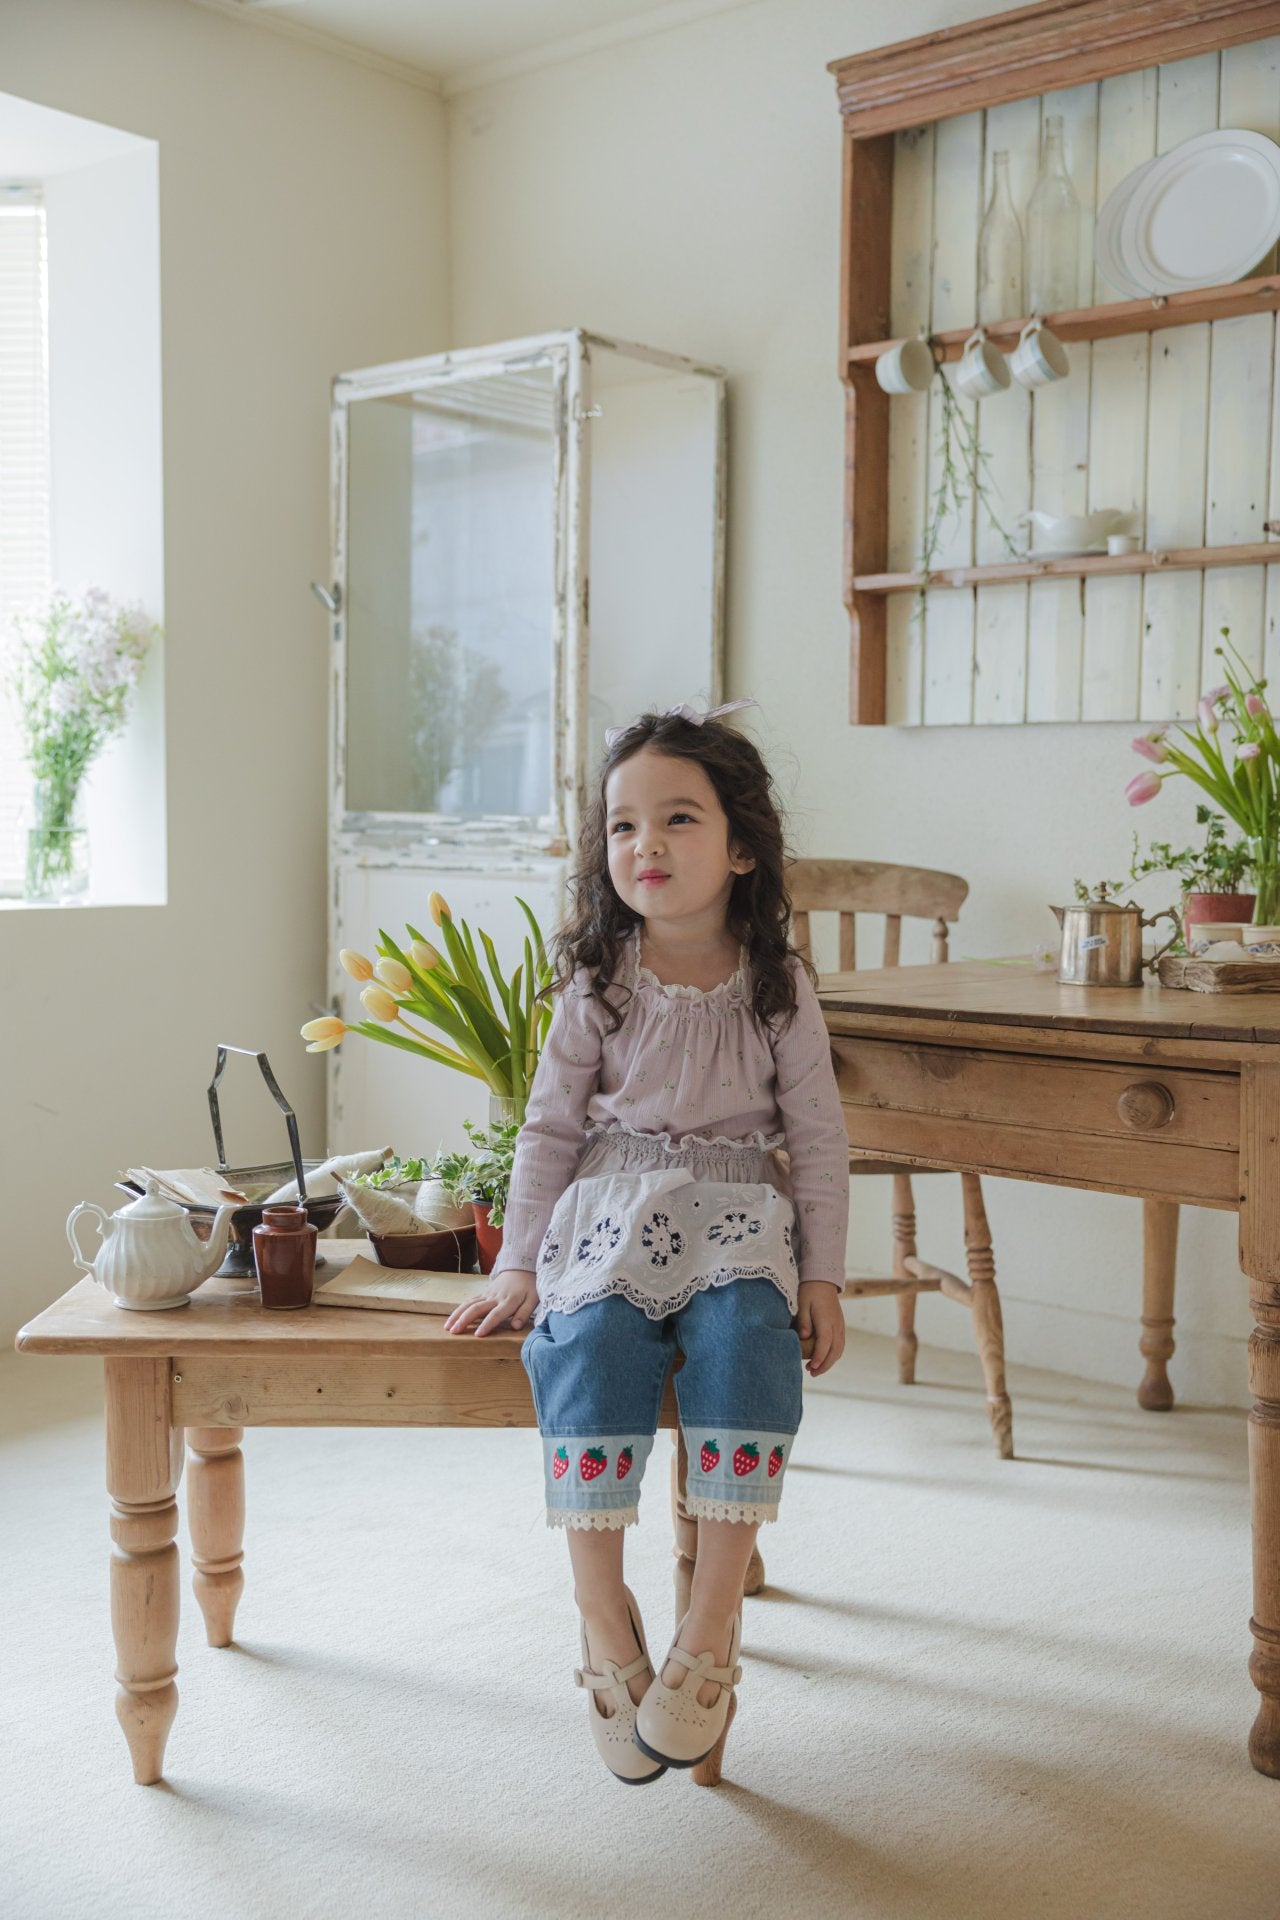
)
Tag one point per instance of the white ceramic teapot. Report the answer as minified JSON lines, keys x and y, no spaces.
{"x":151,"y":1256}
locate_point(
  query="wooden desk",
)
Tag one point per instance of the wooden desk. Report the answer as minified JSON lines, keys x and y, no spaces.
{"x":1168,"y":1095}
{"x":199,"y":1375}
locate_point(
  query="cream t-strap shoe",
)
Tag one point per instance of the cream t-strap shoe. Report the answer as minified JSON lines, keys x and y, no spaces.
{"x":672,"y":1727}
{"x":614,"y":1734}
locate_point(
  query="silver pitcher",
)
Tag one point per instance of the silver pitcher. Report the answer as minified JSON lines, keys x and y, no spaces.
{"x":1102,"y":942}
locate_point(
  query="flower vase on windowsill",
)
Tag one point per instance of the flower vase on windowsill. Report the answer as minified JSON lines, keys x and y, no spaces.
{"x":57,"y":868}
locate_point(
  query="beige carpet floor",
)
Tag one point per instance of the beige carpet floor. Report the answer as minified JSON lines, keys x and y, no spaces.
{"x":974,"y":1689}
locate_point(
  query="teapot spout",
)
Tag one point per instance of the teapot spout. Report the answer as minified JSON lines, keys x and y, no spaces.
{"x":1058,"y":912}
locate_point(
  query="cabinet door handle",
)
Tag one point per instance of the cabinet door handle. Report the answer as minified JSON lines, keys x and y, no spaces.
{"x":1147,"y":1105}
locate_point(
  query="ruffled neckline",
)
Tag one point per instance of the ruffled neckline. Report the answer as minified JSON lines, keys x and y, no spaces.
{"x":734,"y":988}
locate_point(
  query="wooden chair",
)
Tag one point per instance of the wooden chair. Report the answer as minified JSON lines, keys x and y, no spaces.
{"x":848,"y":888}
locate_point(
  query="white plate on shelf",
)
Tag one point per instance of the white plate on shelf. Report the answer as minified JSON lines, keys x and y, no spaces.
{"x":1202,"y":214}
{"x":1107,"y":230}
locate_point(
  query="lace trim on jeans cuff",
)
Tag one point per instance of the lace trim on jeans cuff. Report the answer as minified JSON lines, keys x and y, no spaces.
{"x":750,"y":1513}
{"x":601,"y":1519}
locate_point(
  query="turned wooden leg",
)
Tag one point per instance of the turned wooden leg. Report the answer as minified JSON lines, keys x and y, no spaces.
{"x":686,"y":1535}
{"x":144,"y":1463}
{"x":904,"y":1247}
{"x":988,"y":1324}
{"x":1260,"y":1258}
{"x":215,"y":1515}
{"x":1159,"y":1262}
{"x":1264,"y":1479}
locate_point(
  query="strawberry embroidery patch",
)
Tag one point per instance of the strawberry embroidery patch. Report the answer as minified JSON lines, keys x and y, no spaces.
{"x":625,"y":1460}
{"x":593,"y":1463}
{"x":710,"y":1456}
{"x":775,"y":1462}
{"x":746,"y":1458}
{"x":560,"y":1463}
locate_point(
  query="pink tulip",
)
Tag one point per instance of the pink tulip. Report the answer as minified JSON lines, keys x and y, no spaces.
{"x":1249,"y":751}
{"x":1217,"y":693}
{"x":1208,"y":714}
{"x":1151,"y":745}
{"x":1255,"y":705}
{"x":1142,"y":787}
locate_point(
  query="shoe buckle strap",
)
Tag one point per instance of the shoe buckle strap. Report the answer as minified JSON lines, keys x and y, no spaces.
{"x":613,"y":1676}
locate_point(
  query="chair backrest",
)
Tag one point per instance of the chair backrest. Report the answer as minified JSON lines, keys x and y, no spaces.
{"x":850,"y":887}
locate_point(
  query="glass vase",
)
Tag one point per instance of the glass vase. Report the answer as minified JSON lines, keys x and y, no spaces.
{"x":1053,"y":229}
{"x":1265,"y":860}
{"x":57,"y":869}
{"x":504,"y":1108}
{"x":999,"y":250}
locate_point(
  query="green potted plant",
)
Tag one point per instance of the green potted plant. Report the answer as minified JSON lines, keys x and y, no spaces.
{"x":482,"y":1180}
{"x":1212,"y":876}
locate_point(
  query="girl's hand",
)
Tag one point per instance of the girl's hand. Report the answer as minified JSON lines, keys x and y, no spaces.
{"x":820,"y":1314}
{"x":510,"y":1296}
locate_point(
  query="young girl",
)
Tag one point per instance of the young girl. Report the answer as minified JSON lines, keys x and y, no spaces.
{"x":649,"y":1212}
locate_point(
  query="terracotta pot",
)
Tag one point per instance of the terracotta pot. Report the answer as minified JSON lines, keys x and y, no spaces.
{"x":1206,"y":909}
{"x":488,"y":1239}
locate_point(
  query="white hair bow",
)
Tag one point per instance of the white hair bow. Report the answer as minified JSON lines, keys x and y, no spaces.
{"x":686,"y":712}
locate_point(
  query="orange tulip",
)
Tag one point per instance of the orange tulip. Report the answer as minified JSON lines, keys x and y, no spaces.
{"x":378,"y":1002}
{"x":392,"y":974}
{"x":323,"y":1034}
{"x":439,"y":907}
{"x":424,"y":955}
{"x":355,"y":964}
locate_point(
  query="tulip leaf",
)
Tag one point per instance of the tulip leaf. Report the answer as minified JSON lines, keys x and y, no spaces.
{"x":494,"y":968}
{"x":530,"y":1028}
{"x":391,"y":1039}
{"x":539,"y":945}
{"x":518,"y":1080}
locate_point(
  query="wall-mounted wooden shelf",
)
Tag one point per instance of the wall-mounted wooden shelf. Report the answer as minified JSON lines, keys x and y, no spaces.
{"x":1070,"y":566}
{"x":958,"y":70}
{"x":1106,"y":323}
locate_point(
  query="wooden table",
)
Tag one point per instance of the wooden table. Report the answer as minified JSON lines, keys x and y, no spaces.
{"x":197,"y":1376}
{"x":1171,"y":1096}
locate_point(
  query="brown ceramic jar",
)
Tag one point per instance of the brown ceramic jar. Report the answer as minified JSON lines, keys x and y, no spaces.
{"x":284,"y":1253}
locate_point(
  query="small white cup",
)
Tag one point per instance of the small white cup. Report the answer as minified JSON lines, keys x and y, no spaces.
{"x":1039,"y":356}
{"x":906,"y":368}
{"x":983,"y":369}
{"x":1122,"y":543}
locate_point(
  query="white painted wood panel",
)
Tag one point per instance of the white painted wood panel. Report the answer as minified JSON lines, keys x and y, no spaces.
{"x":912,"y":251}
{"x":1180,"y":428}
{"x":1177,"y":429}
{"x":949,"y":617}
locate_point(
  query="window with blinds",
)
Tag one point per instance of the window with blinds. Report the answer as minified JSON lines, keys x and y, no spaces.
{"x":24,"y":473}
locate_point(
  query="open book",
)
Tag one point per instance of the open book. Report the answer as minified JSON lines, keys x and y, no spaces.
{"x":397,"y":1289}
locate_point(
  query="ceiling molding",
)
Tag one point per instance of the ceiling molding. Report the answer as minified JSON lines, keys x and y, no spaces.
{"x":680,"y":13}
{"x":260,"y":17}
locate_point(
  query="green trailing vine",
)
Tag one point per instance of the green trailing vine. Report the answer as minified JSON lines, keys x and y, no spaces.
{"x":965,"y":476}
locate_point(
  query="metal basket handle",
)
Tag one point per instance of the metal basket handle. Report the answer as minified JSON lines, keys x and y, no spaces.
{"x":281,"y":1102}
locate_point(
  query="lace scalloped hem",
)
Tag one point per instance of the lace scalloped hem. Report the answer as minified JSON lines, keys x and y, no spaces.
{"x":748,"y":1513}
{"x":672,"y":1303}
{"x":758,"y":1142}
{"x":597,"y":1519}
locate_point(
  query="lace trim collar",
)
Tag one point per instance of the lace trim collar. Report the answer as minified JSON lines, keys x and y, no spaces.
{"x":735,"y":987}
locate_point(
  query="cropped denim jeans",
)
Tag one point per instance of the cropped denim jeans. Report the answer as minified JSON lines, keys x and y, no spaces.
{"x":598,"y":1375}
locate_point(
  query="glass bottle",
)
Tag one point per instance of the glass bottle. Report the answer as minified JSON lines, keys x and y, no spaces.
{"x":999,"y":250}
{"x":1053,"y":229}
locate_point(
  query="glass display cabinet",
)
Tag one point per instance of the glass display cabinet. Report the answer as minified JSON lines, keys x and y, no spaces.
{"x":528,"y":547}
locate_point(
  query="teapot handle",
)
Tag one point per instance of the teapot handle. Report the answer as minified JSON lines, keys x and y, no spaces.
{"x":1165,"y":913}
{"x":86,"y":1206}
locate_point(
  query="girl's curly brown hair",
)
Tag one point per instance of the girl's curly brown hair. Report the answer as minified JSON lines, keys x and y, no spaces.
{"x":759,"y":912}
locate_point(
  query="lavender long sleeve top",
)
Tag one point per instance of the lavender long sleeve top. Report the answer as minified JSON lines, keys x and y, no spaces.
{"x":685,"y":1063}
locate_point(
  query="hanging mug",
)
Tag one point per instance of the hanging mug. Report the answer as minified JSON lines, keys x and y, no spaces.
{"x":983,"y":369}
{"x":906,"y":368}
{"x":1039,"y":357}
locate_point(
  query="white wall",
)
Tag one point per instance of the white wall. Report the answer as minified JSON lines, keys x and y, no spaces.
{"x":683,"y":190}
{"x":302,"y":231}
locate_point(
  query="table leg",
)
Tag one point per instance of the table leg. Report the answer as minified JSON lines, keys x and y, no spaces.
{"x":1159,"y":1264}
{"x":215,"y":1515}
{"x":988,"y":1323}
{"x":1260,"y":1258}
{"x":144,"y":1465}
{"x":904,"y":1249}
